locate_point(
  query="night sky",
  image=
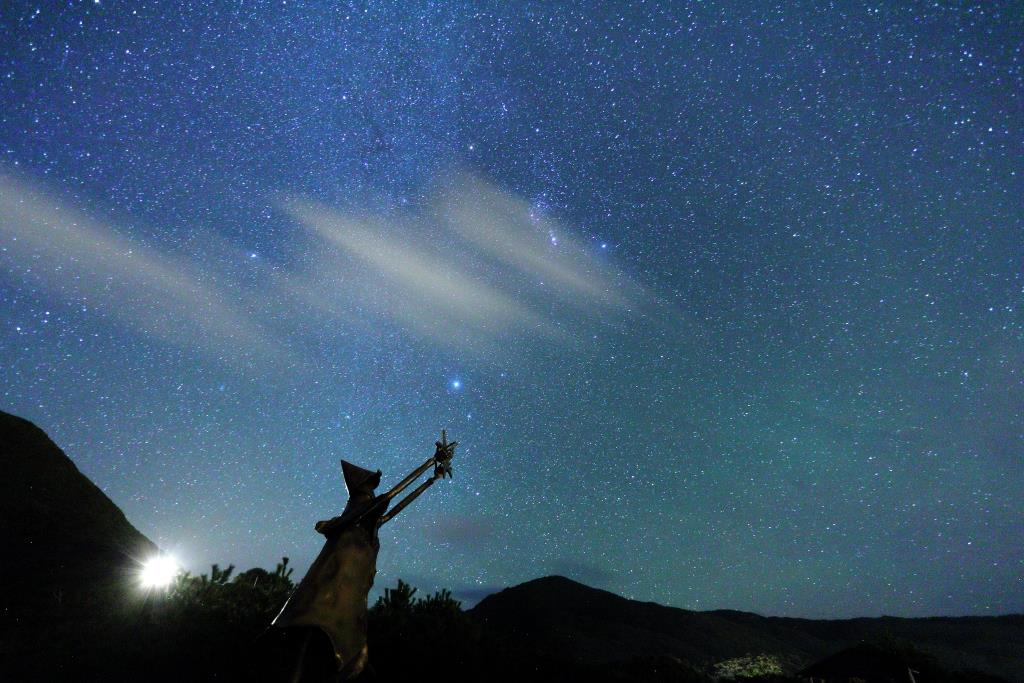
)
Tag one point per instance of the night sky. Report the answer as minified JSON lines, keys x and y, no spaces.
{"x":723,"y":302}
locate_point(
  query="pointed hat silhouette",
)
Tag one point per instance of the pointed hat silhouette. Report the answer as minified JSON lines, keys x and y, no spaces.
{"x":358,"y":480}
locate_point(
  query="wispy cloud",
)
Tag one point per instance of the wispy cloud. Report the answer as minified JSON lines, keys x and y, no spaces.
{"x":462,"y":532}
{"x":475,"y":271}
{"x":528,"y":243}
{"x":154,"y":292}
{"x":406,"y":280}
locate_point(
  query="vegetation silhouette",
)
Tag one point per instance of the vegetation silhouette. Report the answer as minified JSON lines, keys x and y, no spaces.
{"x":214,"y":627}
{"x":72,"y":607}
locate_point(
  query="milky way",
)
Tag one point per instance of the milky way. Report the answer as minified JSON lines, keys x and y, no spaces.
{"x":722,"y":302}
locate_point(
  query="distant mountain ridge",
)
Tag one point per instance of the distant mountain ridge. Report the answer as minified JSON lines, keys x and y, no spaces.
{"x":66,"y":546}
{"x":568,"y":621}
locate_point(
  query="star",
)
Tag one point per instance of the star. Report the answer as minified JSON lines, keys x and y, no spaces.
{"x":811,"y":310}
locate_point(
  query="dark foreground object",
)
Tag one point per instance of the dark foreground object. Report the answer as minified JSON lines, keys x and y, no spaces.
{"x":331,"y":598}
{"x":71,"y":610}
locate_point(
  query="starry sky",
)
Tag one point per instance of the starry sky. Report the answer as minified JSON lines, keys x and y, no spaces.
{"x":722,"y":301}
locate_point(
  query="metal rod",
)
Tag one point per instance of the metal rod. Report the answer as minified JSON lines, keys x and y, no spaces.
{"x":408,"y":499}
{"x":401,"y":486}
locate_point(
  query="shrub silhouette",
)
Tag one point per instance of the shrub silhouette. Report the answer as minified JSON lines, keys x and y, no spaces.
{"x":204,"y":627}
{"x":421,"y":637}
{"x":214,"y":627}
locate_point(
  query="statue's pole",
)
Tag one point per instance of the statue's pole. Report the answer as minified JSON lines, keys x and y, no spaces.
{"x":442,"y":462}
{"x":408,"y":499}
{"x":400,"y":486}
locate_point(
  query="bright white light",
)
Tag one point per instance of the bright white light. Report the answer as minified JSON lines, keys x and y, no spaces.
{"x":456,"y":384}
{"x":159,"y":571}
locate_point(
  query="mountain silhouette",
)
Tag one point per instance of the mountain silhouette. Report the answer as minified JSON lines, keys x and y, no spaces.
{"x":560,"y":619}
{"x":67,"y":548}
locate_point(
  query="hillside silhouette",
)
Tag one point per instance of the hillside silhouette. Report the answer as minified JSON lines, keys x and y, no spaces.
{"x":72,"y":608}
{"x":66,"y":545}
{"x":560,"y":618}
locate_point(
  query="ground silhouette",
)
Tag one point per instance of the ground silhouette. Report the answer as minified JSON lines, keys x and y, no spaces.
{"x":72,"y":610}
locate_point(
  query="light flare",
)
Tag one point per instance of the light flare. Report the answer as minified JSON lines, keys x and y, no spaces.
{"x":159,"y":571}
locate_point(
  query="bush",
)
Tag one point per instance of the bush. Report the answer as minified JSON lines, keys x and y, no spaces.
{"x":421,"y":637}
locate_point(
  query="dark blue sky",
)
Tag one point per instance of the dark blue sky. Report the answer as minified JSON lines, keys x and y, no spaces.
{"x":723,"y":301}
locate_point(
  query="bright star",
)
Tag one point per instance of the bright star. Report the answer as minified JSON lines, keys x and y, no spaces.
{"x":456,"y":384}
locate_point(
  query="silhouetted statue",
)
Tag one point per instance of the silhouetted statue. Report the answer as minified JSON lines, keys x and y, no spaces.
{"x":331,"y":598}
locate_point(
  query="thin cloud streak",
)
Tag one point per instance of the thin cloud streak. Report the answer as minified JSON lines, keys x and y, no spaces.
{"x":506,"y":228}
{"x":408,"y":282}
{"x":473,"y":274}
{"x":158,"y":294}
{"x":476,"y":271}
